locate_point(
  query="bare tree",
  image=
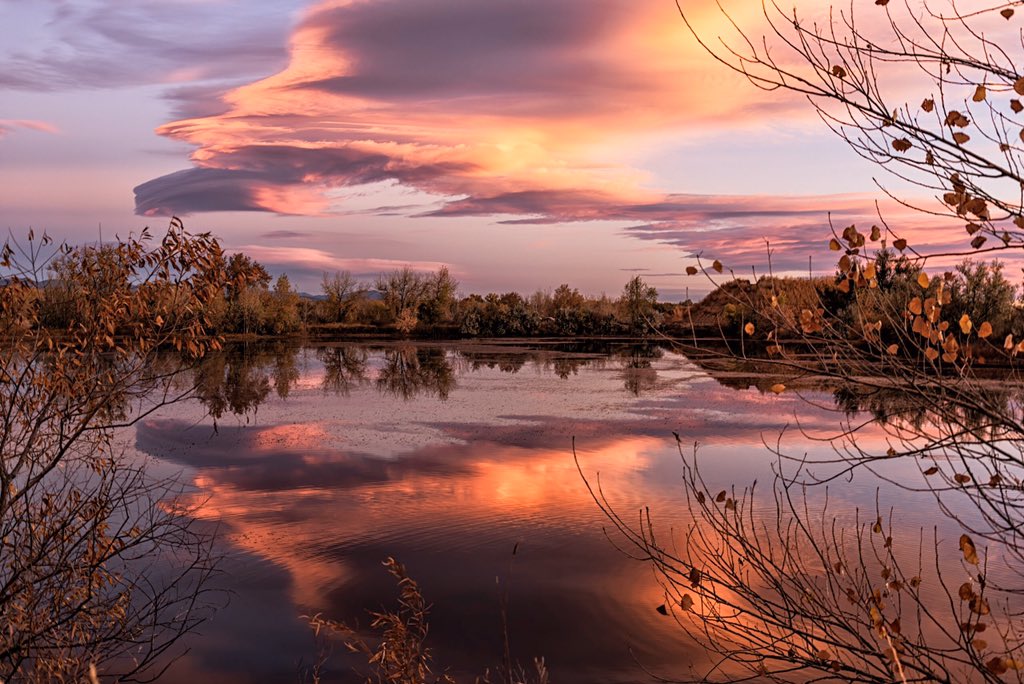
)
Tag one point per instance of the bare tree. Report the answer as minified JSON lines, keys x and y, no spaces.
{"x":343,"y":293}
{"x":403,"y":290}
{"x":960,"y":140}
{"x":797,"y":594}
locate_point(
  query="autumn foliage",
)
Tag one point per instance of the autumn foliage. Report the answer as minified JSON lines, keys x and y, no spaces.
{"x":99,"y":566}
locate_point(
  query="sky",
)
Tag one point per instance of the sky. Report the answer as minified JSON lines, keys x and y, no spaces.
{"x":522,"y":143}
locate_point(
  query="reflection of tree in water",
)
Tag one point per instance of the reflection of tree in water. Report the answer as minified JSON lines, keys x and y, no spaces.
{"x":638,"y":371}
{"x":893,"y":407}
{"x":286,"y":371}
{"x":887,"y":406}
{"x":506,"y":362}
{"x":564,"y":366}
{"x":409,"y":371}
{"x":239,"y":379}
{"x":562,"y":362}
{"x":344,"y":368}
{"x":231,"y":381}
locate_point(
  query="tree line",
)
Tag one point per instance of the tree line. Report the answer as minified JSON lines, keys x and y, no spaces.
{"x":403,"y":301}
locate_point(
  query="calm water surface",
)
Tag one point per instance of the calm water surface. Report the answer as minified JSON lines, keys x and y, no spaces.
{"x":316,"y":463}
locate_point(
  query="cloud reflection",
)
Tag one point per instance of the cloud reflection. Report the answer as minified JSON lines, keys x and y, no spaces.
{"x":325,"y":489}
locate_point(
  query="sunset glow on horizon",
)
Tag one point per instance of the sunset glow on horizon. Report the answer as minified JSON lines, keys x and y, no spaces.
{"x":522,"y":143}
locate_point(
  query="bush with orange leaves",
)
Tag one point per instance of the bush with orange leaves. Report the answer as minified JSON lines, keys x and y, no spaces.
{"x":99,"y":565}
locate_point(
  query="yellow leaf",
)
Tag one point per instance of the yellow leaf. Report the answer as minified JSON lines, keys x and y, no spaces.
{"x":931,"y":354}
{"x":923,"y":280}
{"x":965,"y":324}
{"x":1008,"y":343}
{"x":969,"y":550}
{"x":893,"y":348}
{"x":778,"y":388}
{"x":834,"y":245}
{"x":749,"y":328}
{"x":985,"y":330}
{"x":915,"y":306}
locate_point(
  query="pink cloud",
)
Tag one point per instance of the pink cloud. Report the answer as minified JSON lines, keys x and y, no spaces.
{"x":311,"y":260}
{"x":8,"y":126}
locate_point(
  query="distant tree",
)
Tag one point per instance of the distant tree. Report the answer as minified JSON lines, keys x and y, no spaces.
{"x":638,"y":304}
{"x":979,"y":290}
{"x":439,"y":297}
{"x":343,"y":294}
{"x":892,"y":269}
{"x":243,"y":272}
{"x":470,"y":315}
{"x":245,"y":295}
{"x":403,"y":291}
{"x":282,"y":308}
{"x":565,"y":297}
{"x":245,"y":313}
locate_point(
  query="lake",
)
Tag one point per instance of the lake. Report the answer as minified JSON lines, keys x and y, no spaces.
{"x":315,"y":463}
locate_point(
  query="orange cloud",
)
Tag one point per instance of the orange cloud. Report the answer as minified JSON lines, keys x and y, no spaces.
{"x":509,"y":109}
{"x":456,"y":99}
